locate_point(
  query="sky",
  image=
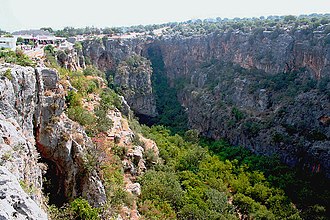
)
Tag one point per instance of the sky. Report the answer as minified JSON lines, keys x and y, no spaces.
{"x":34,"y":14}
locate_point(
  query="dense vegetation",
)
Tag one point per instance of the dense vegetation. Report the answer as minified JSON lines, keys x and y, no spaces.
{"x":17,"y":57}
{"x":193,"y":183}
{"x":306,"y":23}
{"x":71,"y":31}
{"x":275,"y":24}
{"x":259,"y":187}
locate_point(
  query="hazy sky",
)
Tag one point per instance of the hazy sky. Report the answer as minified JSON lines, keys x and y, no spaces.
{"x":24,"y":14}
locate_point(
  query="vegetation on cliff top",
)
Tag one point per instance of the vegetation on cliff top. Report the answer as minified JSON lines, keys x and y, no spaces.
{"x":17,"y":57}
{"x":277,"y":24}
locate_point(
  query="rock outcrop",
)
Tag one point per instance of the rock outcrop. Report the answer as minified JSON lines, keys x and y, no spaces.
{"x":227,"y":92}
{"x":17,"y":144}
{"x":33,"y":124}
{"x":133,"y":79}
{"x":14,"y":202}
{"x":71,"y":59}
{"x":131,"y":72}
{"x":64,"y":142}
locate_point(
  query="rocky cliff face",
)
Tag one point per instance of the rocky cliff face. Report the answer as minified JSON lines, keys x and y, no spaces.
{"x":130,"y":71}
{"x":256,"y":91}
{"x":133,"y":79}
{"x":71,"y":59}
{"x":64,"y":143}
{"x":33,"y":124}
{"x":268,"y":51}
{"x":107,"y":54}
{"x":266,"y":91}
{"x":19,"y":157}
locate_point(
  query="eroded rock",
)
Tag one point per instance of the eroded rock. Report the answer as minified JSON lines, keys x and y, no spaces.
{"x":14,"y":202}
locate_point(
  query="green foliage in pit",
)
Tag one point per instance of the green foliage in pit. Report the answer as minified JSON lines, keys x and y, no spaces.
{"x":78,"y":209}
{"x":194,"y":184}
{"x":171,"y":113}
{"x":306,"y":191}
{"x":18,"y":57}
{"x":8,"y":75}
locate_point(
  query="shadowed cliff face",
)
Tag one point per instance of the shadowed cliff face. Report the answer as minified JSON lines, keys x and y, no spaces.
{"x":265,"y":91}
{"x":64,"y":143}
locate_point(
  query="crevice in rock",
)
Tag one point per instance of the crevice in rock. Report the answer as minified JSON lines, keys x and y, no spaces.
{"x":145,"y":119}
{"x":53,"y":184}
{"x":170,"y":111}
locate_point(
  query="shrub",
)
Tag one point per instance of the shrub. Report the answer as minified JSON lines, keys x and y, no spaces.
{"x":8,"y":75}
{"x":104,"y":123}
{"x":109,"y":100}
{"x":78,"y":46}
{"x":157,"y":210}
{"x":78,"y":209}
{"x":74,"y":99}
{"x":81,"y":115}
{"x":238,"y":114}
{"x":92,"y":71}
{"x":17,"y":57}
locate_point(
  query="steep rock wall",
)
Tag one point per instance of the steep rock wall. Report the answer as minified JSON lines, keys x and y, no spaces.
{"x":222,"y":82}
{"x":131,"y":72}
{"x":31,"y":121}
{"x":220,"y":72}
{"x":133,"y":80}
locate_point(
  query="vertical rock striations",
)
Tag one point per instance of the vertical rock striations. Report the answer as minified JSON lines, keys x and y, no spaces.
{"x":32,"y":120}
{"x":133,"y":79}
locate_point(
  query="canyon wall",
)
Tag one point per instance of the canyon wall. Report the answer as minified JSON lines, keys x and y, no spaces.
{"x":266,"y":91}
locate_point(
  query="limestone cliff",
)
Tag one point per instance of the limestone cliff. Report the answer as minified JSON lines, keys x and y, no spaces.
{"x":71,"y":59}
{"x":133,"y":79}
{"x":265,"y":90}
{"x":33,"y":125}
{"x":262,"y":92}
{"x":130,"y":71}
{"x":19,"y":156}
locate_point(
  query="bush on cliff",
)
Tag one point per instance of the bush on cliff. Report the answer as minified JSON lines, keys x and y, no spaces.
{"x":17,"y":57}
